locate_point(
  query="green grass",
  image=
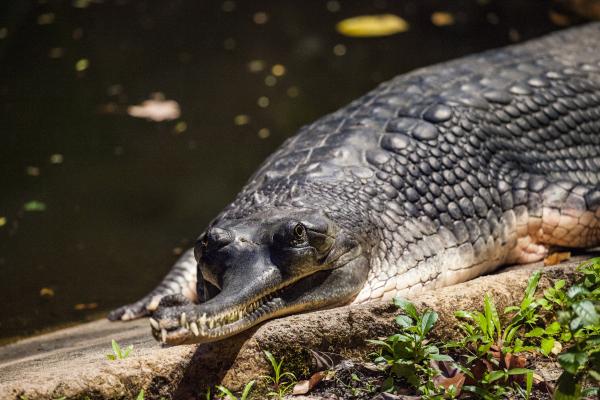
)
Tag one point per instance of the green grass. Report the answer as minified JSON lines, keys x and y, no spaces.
{"x":282,"y":382}
{"x":118,"y":353}
{"x":230,"y":396}
{"x":488,"y":361}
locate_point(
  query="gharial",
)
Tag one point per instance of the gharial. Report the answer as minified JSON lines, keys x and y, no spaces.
{"x":431,"y":179}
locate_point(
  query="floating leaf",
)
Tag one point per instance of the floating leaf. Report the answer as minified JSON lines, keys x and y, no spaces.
{"x":82,"y":64}
{"x":46,"y":292}
{"x":441,"y":18}
{"x":156,"y":109}
{"x":372,"y":25}
{"x":34,"y":205}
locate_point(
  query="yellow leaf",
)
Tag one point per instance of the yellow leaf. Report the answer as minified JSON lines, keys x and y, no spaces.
{"x":440,"y":18}
{"x":46,"y":292}
{"x":372,"y":25}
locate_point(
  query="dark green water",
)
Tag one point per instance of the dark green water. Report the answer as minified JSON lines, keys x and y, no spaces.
{"x":122,"y":195}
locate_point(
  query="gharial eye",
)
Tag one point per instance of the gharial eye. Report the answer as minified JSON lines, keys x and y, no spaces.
{"x":299,"y":231}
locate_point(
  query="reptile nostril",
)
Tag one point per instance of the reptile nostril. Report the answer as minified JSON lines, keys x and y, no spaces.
{"x":218,"y":237}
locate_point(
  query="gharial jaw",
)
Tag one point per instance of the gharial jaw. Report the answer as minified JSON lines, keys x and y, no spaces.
{"x":261,"y":268}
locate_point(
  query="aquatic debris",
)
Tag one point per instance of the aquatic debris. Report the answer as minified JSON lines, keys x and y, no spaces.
{"x":3,"y":33}
{"x":228,"y":6}
{"x":255,"y":66}
{"x":82,"y":64}
{"x":263,"y":102}
{"x":372,"y":25}
{"x":333,"y":6}
{"x":45,"y":19}
{"x":85,"y":306}
{"x":32,"y":171}
{"x":293,"y":91}
{"x":56,"y":52}
{"x":559,"y":19}
{"x":2,"y":221}
{"x":442,"y":18}
{"x":339,"y":50}
{"x":156,"y":109}
{"x":46,"y":292}
{"x":34,"y":205}
{"x":514,"y":35}
{"x":264,"y":133}
{"x":56,"y":158}
{"x":180,"y":127}
{"x":81,"y":3}
{"x":241,"y":119}
{"x":270,"y":80}
{"x":260,"y":18}
{"x":278,"y":70}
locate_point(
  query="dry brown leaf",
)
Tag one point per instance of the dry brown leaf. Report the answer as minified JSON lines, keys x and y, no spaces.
{"x":305,"y":386}
{"x":556,"y":258}
{"x":156,"y":109}
{"x":559,"y":19}
{"x":457,"y":381}
{"x":85,"y":306}
{"x":442,"y":18}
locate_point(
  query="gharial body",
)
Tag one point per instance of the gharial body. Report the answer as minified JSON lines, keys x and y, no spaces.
{"x":431,"y":179}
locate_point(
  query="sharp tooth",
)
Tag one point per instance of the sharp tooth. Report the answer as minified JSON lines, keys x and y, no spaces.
{"x":182,"y":319}
{"x":154,"y":324}
{"x":211,"y":323}
{"x":163,"y":335}
{"x":202,"y":320}
{"x":194,"y":329}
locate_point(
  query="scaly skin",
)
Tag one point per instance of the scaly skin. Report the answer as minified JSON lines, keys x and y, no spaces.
{"x":431,"y":179}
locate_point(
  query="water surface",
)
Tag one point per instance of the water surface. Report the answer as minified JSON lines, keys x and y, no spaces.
{"x":95,"y":204}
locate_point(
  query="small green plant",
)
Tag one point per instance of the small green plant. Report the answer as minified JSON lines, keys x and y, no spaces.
{"x":578,"y":313}
{"x":140,"y":395}
{"x":491,"y":350}
{"x":282,"y":382}
{"x":408,"y":355}
{"x":230,"y":396}
{"x":118,"y":353}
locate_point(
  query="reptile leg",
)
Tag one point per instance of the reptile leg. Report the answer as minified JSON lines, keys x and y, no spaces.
{"x":561,"y":213}
{"x":181,"y":280}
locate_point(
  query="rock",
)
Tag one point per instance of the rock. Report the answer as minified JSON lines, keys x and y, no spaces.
{"x":72,"y":362}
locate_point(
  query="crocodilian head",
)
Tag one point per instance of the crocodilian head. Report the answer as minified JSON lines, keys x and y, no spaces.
{"x":273,"y":263}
